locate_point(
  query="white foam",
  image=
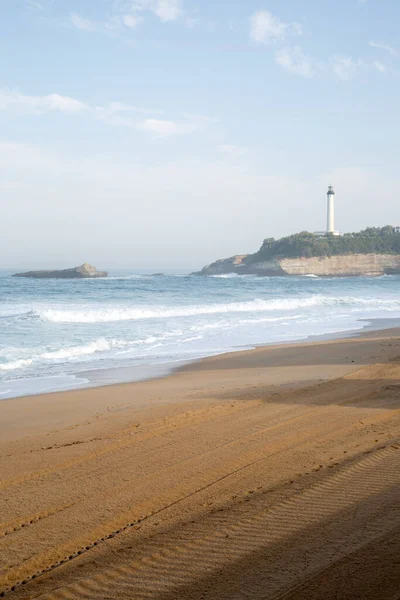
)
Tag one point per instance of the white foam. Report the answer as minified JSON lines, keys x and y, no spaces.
{"x":124,"y":277}
{"x":16,"y":364}
{"x":68,"y":353}
{"x":138,"y":313}
{"x":100,"y":345}
{"x":225,"y":276}
{"x":100,"y":315}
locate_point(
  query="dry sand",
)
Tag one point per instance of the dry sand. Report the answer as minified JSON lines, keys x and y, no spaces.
{"x":266,"y":474}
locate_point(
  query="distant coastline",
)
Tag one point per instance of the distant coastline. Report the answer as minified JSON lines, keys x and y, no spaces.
{"x":372,"y":252}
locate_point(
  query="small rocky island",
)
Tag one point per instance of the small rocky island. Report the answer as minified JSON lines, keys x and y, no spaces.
{"x":374,"y":251}
{"x":85,"y":271}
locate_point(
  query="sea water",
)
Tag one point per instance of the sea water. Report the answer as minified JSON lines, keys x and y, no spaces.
{"x":56,"y":334}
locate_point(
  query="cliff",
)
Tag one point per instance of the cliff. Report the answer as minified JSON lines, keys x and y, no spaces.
{"x":324,"y":266}
{"x":85,"y":271}
{"x":373,"y":251}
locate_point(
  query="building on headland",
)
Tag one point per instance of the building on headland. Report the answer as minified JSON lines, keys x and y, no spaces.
{"x":330,"y":225}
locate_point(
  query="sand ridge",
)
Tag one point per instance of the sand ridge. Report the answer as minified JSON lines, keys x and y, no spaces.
{"x":279,"y":461}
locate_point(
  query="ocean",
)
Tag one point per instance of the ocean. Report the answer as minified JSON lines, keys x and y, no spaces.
{"x":64,"y":334}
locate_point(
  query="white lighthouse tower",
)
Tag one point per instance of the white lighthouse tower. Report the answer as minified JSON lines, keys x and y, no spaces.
{"x":330,"y":227}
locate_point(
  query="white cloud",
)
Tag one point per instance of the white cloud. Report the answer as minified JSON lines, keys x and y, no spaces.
{"x":16,"y":102}
{"x":165,"y":10}
{"x":386,"y":47}
{"x":347,"y":68}
{"x":116,"y":113}
{"x":112,"y":27}
{"x":131,"y":21}
{"x":82,"y":23}
{"x":121,"y":107}
{"x":129,"y":15}
{"x":165,"y":128}
{"x":168,"y":10}
{"x":295,"y":61}
{"x":265,"y":28}
{"x":379,"y":66}
{"x":34,"y":4}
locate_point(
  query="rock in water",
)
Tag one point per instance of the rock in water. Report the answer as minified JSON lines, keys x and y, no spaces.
{"x":85,"y":271}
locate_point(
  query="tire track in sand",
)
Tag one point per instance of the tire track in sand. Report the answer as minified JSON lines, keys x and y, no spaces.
{"x":183,"y":559}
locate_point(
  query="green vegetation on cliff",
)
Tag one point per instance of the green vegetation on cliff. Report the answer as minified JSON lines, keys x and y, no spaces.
{"x":373,"y":240}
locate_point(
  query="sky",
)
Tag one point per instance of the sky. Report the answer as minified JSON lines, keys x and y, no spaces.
{"x":164,"y":134}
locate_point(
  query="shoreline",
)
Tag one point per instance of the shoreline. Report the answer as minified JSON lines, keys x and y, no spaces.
{"x":97,"y":378}
{"x":137,"y":482}
{"x":256,"y":356}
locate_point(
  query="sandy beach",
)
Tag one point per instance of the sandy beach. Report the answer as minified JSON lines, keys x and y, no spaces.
{"x":265,"y":474}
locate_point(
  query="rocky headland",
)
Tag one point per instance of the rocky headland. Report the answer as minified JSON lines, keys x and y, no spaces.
{"x":332,"y":266}
{"x":373,"y":252}
{"x":85,"y":271}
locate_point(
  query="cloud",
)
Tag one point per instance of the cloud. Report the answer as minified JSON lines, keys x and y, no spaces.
{"x":265,"y":28}
{"x":379,"y":66}
{"x":165,"y":10}
{"x":34,"y":4}
{"x":116,"y":113}
{"x":128,"y":15}
{"x":347,"y":68}
{"x":295,"y":61}
{"x":131,"y":21}
{"x":16,"y":102}
{"x":82,"y":23}
{"x":165,"y":128}
{"x":386,"y":47}
{"x":112,"y":27}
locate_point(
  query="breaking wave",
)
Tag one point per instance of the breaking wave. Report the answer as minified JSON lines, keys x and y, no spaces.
{"x":106,"y":315}
{"x":16,"y":364}
{"x":68,"y":353}
{"x":100,"y":345}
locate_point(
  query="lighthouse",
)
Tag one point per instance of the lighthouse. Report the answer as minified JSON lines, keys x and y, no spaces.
{"x":330,"y":227}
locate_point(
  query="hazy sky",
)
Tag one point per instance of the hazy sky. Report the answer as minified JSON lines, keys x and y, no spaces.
{"x":168,"y":133}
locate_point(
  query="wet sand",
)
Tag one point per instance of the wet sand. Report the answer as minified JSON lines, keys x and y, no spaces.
{"x":272,"y":473}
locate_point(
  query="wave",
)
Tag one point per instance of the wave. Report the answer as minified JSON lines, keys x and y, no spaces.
{"x":237,"y":276}
{"x":106,"y":315}
{"x":123,"y":277}
{"x":16,"y":364}
{"x":100,"y":345}
{"x":142,"y":276}
{"x":97,"y":346}
{"x":13,"y":314}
